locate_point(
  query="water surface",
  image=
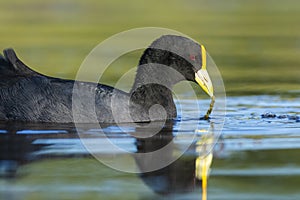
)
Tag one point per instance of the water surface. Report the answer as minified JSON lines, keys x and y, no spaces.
{"x":255,"y":156}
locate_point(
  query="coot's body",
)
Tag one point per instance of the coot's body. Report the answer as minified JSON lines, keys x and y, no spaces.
{"x":26,"y":95}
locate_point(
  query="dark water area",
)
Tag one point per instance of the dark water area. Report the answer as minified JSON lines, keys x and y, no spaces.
{"x":255,"y":157}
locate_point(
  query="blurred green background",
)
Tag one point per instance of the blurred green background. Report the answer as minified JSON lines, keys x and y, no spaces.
{"x":255,"y":43}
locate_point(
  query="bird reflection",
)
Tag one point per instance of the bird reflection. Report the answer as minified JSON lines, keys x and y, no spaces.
{"x":14,"y":150}
{"x":184,"y":174}
{"x":17,"y":147}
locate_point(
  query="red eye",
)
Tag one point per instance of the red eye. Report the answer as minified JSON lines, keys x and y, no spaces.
{"x":192,"y":57}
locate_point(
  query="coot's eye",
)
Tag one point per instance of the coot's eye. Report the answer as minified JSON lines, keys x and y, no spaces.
{"x":192,"y":57}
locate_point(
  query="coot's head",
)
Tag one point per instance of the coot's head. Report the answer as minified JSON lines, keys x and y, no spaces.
{"x":182,"y":54}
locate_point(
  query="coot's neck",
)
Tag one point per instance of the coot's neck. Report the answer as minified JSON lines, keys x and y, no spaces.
{"x":154,"y":74}
{"x":153,"y":85}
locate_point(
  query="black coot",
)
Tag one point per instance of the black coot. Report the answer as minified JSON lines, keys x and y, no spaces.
{"x":26,"y":95}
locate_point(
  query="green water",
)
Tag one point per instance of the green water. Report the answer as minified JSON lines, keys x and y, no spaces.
{"x":255,"y":44}
{"x":255,"y":157}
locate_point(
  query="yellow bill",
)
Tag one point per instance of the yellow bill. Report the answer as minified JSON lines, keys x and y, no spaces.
{"x":202,"y":76}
